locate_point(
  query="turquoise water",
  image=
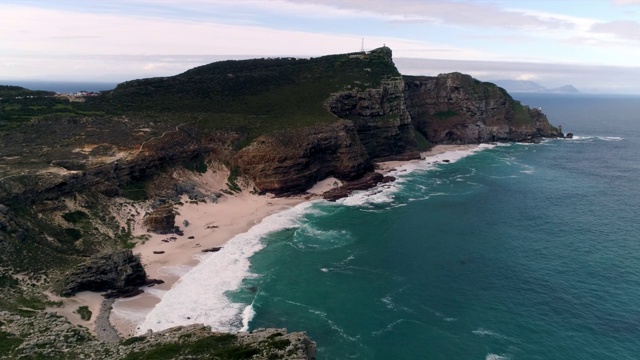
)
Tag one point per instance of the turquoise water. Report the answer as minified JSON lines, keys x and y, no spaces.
{"x":513,"y":252}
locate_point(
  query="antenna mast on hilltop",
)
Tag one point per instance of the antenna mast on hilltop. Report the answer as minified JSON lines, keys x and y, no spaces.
{"x":362,"y":46}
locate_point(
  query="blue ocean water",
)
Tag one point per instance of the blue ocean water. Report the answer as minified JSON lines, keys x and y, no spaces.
{"x":61,"y":86}
{"x":513,"y":252}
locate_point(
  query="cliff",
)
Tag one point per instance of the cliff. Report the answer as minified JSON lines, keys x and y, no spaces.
{"x":294,"y":161}
{"x":283,"y":124}
{"x":457,"y":109}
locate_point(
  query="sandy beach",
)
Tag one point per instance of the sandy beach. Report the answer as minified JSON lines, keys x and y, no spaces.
{"x":210,"y":224}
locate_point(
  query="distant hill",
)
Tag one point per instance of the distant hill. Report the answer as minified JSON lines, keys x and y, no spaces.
{"x":531,"y":86}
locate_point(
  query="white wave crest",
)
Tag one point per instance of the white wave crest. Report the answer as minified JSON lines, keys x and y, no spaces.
{"x":496,"y":357}
{"x":247,"y":315}
{"x":199,"y":296}
{"x":384,"y":194}
{"x":589,"y":138}
{"x":307,"y":237}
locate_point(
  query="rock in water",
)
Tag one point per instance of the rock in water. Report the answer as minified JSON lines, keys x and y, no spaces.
{"x":366,"y":182}
{"x":117,"y":273}
{"x":569,"y":136}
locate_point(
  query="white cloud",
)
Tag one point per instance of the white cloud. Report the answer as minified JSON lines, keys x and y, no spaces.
{"x":56,"y":41}
{"x":455,"y":13}
{"x":626,"y":2}
{"x":622,"y":29}
{"x":587,"y":78}
{"x":527,"y":77}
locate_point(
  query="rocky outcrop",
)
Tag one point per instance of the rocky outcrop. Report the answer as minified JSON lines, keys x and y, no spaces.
{"x":381,"y":119}
{"x":116,"y":273}
{"x":458,"y":109}
{"x":162,"y":220}
{"x":48,"y":336}
{"x":366,"y":182}
{"x":293,"y":161}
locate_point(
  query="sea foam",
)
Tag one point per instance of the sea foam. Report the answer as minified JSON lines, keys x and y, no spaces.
{"x":384,"y":193}
{"x":199,"y":296}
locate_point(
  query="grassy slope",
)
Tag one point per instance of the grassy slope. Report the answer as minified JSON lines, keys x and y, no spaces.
{"x":252,"y":96}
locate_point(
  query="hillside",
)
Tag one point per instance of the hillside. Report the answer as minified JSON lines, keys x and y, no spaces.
{"x":74,"y":174}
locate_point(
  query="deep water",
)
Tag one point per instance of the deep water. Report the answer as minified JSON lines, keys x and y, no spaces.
{"x":513,"y":252}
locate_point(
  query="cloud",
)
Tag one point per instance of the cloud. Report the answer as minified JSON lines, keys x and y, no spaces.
{"x":52,"y":43}
{"x":626,"y":2}
{"x":527,"y":77}
{"x":624,"y":29}
{"x":587,"y":78}
{"x":452,"y":13}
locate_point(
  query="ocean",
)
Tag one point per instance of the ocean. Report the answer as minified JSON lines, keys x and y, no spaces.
{"x":61,"y":86}
{"x":510,"y":251}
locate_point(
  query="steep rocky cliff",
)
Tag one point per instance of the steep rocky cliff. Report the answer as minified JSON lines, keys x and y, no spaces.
{"x":295,"y":160}
{"x":458,"y":109}
{"x":372,"y":125}
{"x":282,"y":123}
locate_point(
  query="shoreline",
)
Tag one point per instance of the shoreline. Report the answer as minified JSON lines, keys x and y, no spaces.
{"x":210,"y":224}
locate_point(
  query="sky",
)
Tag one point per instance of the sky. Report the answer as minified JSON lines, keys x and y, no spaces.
{"x":591,"y":44}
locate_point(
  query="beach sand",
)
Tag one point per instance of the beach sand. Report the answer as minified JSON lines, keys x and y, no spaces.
{"x":210,"y":224}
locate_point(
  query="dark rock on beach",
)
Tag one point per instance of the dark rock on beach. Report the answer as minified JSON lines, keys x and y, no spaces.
{"x":212,"y":249}
{"x":162,"y":220}
{"x":117,"y":273}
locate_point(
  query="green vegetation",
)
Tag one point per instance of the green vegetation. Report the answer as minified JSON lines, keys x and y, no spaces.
{"x":8,"y":342}
{"x":223,"y":346}
{"x":445,"y":115}
{"x":133,"y":340}
{"x":72,"y":235}
{"x":421,"y":141}
{"x":135,"y":190}
{"x":197,"y":165}
{"x":232,"y":180}
{"x":84,"y":312}
{"x":18,"y":104}
{"x":251,"y":97}
{"x":7,"y":281}
{"x":279,"y":344}
{"x":75,"y":217}
{"x":520,"y":114}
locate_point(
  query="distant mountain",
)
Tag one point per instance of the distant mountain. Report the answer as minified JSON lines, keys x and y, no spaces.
{"x":530,"y":86}
{"x":568,"y":89}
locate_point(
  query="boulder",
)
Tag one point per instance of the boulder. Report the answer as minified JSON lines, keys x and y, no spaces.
{"x":212,"y":249}
{"x":162,"y":220}
{"x":569,"y":136}
{"x":116,"y":273}
{"x":366,"y":182}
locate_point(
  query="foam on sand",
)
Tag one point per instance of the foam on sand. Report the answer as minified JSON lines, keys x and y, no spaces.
{"x":384,"y":193}
{"x":200,"y":295}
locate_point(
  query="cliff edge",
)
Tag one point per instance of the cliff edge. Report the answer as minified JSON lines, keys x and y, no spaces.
{"x":458,"y":109}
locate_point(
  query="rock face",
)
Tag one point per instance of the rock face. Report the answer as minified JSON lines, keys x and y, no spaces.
{"x":118,"y":273}
{"x":295,"y":160}
{"x":162,"y":220}
{"x":48,"y":336}
{"x":381,"y":119}
{"x":366,"y":182}
{"x":458,"y":109}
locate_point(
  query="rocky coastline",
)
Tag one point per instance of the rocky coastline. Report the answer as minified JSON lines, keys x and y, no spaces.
{"x":65,"y":221}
